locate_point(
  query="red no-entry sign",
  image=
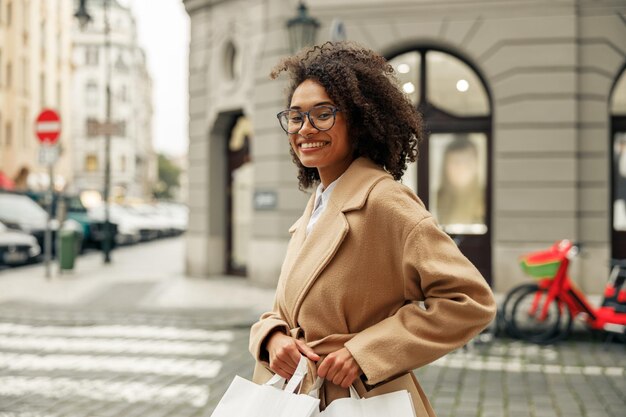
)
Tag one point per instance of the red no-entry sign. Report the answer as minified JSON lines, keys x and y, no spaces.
{"x":48,"y":126}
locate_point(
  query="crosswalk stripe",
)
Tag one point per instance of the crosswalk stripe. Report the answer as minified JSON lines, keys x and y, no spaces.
{"x":121,"y":364}
{"x":137,"y":332}
{"x":105,"y":390}
{"x":118,"y":345}
{"x":517,"y":366}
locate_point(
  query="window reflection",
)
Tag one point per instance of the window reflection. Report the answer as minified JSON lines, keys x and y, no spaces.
{"x":407,"y":67}
{"x":410,"y":176}
{"x":619,"y":183}
{"x":454,"y":87}
{"x":457,"y":177}
{"x":242,"y":187}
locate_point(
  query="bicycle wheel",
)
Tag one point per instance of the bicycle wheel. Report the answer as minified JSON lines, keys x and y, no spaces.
{"x":527,"y":324}
{"x":503,"y":318}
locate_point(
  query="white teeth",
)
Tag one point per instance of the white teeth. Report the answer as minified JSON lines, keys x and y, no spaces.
{"x":312,"y":145}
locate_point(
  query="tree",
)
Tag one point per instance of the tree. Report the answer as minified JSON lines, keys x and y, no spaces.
{"x":169,"y":179}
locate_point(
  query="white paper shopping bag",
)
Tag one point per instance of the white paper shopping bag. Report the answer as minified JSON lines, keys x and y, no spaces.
{"x":247,"y":399}
{"x":396,"y":404}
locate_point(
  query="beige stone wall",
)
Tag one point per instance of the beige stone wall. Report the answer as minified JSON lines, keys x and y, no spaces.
{"x":36,"y":45}
{"x":549,"y":67}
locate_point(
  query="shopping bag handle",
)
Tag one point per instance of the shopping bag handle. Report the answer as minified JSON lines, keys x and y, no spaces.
{"x":315,"y":389}
{"x":278,"y":381}
{"x":298,"y":375}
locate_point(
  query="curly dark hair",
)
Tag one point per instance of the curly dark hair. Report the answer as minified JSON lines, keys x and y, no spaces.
{"x":383,"y":124}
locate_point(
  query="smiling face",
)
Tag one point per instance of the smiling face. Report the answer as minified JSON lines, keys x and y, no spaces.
{"x":329,"y":151}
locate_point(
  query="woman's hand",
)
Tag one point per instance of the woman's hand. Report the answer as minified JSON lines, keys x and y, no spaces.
{"x":285,"y":353}
{"x":340,"y":368}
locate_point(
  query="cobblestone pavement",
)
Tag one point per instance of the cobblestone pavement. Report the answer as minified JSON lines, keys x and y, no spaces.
{"x":581,"y":377}
{"x":138,"y":338}
{"x":73,"y":362}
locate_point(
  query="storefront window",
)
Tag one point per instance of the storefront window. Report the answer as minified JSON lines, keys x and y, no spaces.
{"x":241,"y":187}
{"x":454,"y":87}
{"x":457,"y":181}
{"x":618,"y":110}
{"x":452,"y":174}
{"x":408,"y":71}
{"x":619,"y":183}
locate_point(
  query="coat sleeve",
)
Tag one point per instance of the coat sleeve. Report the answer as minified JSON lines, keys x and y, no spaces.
{"x":458,"y":304}
{"x":267,"y":324}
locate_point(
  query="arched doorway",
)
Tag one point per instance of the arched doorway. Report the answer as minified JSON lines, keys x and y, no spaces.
{"x":239,"y":191}
{"x":618,"y":167}
{"x":453,"y":175}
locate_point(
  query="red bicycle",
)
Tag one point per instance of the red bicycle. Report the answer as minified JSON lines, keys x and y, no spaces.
{"x":543,"y":313}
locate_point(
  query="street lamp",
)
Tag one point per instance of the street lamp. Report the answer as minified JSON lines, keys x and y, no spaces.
{"x":84,"y":18}
{"x":302,"y":29}
{"x":81,"y":14}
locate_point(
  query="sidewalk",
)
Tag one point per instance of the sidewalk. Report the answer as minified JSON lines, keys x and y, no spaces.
{"x":147,"y":276}
{"x":145,"y":289}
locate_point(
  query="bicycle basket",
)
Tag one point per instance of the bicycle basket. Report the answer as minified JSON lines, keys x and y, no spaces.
{"x":544,"y":264}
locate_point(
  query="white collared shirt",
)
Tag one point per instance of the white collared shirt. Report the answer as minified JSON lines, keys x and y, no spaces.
{"x":321,"y":201}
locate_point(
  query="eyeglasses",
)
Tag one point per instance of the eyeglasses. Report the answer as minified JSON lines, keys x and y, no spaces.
{"x":321,"y":117}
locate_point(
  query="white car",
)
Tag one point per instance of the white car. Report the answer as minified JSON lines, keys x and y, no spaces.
{"x":22,"y":213}
{"x":178,"y":215}
{"x":16,"y":247}
{"x":155,"y":222}
{"x":128,"y":226}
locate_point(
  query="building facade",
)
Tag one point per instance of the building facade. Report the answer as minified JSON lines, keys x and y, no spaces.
{"x":533,"y":91}
{"x":122,"y":66}
{"x":35,"y":73}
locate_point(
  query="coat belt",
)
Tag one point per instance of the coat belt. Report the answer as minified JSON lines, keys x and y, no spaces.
{"x":322,"y":347}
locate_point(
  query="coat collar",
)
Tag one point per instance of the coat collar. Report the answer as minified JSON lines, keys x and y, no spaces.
{"x":307,"y":256}
{"x":356,"y":183}
{"x":351,"y":191}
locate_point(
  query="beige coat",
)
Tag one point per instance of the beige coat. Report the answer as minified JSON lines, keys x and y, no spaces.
{"x":357,"y":280}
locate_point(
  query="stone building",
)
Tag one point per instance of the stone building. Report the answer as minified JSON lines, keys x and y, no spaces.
{"x":35,"y":73}
{"x":133,"y":160}
{"x":536,"y":89}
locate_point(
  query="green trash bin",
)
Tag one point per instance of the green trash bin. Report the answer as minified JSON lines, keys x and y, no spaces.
{"x":67,"y":249}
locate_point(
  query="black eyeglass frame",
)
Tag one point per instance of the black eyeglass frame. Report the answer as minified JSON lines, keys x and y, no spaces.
{"x":333,"y":109}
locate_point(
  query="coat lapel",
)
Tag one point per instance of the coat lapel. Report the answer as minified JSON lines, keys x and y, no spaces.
{"x":298,"y":236}
{"x":307,"y":256}
{"x":315,"y":253}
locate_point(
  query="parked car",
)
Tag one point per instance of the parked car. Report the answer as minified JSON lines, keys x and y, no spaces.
{"x":73,"y":208}
{"x":129,"y":226}
{"x":17,"y":247}
{"x":178,"y":215}
{"x":154,"y":219}
{"x":17,"y":211}
{"x":21,"y":213}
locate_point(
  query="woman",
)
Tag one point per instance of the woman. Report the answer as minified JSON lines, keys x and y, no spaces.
{"x":460,"y":198}
{"x":366,"y":251}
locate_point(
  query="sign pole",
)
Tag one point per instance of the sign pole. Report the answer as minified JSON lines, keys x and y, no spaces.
{"x":48,"y":235}
{"x":108,"y":235}
{"x":47,"y":130}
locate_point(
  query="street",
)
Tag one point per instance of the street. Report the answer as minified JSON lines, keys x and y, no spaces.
{"x":140,"y":339}
{"x":100,"y":364}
